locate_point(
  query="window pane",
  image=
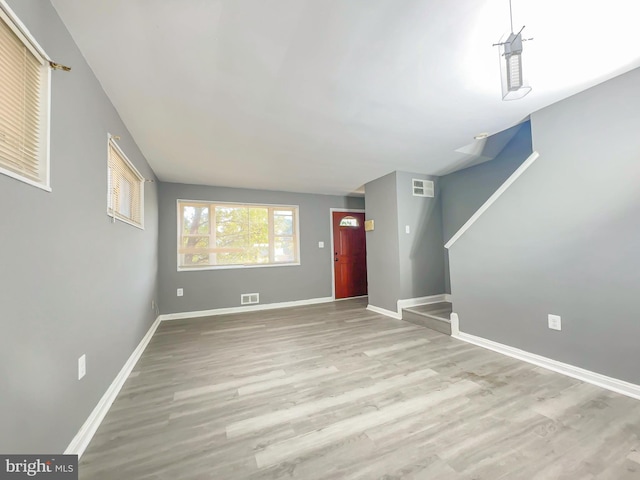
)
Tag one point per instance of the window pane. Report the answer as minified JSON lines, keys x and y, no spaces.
{"x":283,"y":222}
{"x":195,"y":235}
{"x":195,"y":250}
{"x":349,"y":222}
{"x":125,"y":198}
{"x":284,"y":250}
{"x":195,"y":220}
{"x":242,"y":235}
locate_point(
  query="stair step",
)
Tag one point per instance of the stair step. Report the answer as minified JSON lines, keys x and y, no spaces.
{"x":440,"y":309}
{"x":437,"y":323}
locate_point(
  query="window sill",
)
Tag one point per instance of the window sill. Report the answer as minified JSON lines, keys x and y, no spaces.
{"x":26,"y":180}
{"x":124,"y":220}
{"x":236,"y":267}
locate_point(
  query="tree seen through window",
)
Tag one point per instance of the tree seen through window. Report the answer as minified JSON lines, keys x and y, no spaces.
{"x":226,"y":234}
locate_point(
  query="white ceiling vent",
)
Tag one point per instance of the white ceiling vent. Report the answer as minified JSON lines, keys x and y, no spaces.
{"x":249,"y":298}
{"x":422,"y":188}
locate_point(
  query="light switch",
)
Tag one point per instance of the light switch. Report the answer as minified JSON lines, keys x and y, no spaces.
{"x":320,"y":244}
{"x":407,"y":229}
{"x":82,"y":367}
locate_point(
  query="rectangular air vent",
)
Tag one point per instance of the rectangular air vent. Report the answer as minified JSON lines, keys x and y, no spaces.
{"x":249,"y":298}
{"x":422,"y":188}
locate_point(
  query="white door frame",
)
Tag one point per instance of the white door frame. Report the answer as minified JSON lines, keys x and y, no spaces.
{"x":333,"y":267}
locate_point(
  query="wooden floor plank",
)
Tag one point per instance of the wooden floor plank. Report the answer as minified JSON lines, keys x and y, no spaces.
{"x":333,"y":391}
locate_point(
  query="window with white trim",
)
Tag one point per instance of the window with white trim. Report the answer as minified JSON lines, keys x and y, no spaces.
{"x":24,"y":104}
{"x":125,"y":188}
{"x":223,"y":235}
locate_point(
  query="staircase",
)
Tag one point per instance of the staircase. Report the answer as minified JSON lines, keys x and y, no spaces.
{"x":434,"y":316}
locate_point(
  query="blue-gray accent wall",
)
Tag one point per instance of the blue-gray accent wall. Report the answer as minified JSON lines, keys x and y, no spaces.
{"x":213,"y":289}
{"x":465,"y":191}
{"x":564,"y":239}
{"x":403,"y":265}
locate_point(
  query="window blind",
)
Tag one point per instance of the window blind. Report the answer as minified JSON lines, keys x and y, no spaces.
{"x":125,"y":187}
{"x":21,"y":106}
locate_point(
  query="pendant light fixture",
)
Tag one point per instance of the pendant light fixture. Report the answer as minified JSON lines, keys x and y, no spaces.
{"x":513,"y":81}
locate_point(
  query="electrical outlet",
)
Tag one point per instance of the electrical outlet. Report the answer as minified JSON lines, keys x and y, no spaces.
{"x":320,"y":244}
{"x":180,"y":292}
{"x":555,"y":322}
{"x":82,"y":366}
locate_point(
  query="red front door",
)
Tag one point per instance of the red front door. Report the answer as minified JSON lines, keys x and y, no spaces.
{"x":349,"y":254}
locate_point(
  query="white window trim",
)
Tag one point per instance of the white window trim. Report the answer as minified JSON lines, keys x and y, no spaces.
{"x":30,"y":42}
{"x":235,"y":267}
{"x":111,"y":141}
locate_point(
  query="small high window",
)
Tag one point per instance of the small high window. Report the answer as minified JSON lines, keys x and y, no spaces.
{"x":125,"y":187}
{"x":24,"y":104}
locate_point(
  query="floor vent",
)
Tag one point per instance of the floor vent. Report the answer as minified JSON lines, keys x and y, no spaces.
{"x":249,"y":298}
{"x":422,"y":188}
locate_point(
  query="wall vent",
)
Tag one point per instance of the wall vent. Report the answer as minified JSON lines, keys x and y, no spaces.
{"x":249,"y":298}
{"x":422,"y":188}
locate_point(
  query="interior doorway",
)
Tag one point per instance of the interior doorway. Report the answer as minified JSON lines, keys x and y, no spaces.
{"x":349,"y":254}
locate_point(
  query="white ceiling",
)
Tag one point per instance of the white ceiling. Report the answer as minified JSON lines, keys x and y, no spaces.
{"x":325,"y":95}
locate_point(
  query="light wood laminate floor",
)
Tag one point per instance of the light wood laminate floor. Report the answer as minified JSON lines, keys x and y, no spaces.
{"x":334,"y":391}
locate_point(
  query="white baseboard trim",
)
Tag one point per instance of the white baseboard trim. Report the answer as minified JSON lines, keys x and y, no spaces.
{"x":455,"y":324}
{"x":349,"y":298}
{"x":412,"y":302}
{"x":246,"y":308}
{"x":80,"y":442}
{"x":609,"y":383}
{"x":384,"y":311}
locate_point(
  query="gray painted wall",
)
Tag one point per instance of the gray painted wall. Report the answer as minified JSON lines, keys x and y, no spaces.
{"x":72,"y":283}
{"x":211,"y":289}
{"x":564,"y":239}
{"x":383,"y":255}
{"x":464,"y":191}
{"x":401,"y":265}
{"x":420,"y":251}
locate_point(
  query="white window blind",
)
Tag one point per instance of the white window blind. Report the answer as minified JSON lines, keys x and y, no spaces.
{"x":126,"y":188}
{"x":24,"y":110}
{"x":223,"y":235}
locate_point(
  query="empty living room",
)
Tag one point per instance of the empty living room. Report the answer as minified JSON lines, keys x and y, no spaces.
{"x":319,"y":239}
